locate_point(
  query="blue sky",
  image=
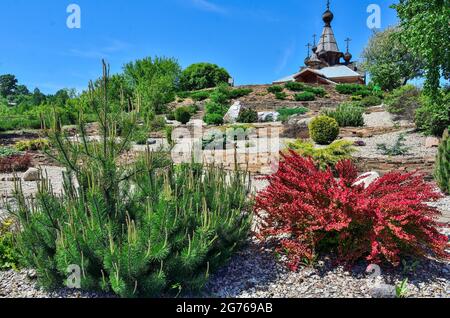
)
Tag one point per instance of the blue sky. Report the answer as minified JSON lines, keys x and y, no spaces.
{"x":258,"y":41}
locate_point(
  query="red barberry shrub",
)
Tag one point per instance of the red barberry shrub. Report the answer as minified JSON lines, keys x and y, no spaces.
{"x":15,"y":163}
{"x":306,"y":211}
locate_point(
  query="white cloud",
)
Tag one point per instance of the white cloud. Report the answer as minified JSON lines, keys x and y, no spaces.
{"x":285,"y":57}
{"x":100,"y":52}
{"x":206,"y":5}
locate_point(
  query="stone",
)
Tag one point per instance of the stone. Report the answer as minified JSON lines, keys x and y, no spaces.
{"x":32,"y":174}
{"x":432,"y":142}
{"x":233,"y":113}
{"x":10,"y":179}
{"x":367,"y":179}
{"x":268,"y":116}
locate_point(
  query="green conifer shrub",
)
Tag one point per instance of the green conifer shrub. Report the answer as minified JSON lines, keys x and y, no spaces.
{"x":305,"y":97}
{"x":134,"y":229}
{"x":324,"y":130}
{"x":442,"y":171}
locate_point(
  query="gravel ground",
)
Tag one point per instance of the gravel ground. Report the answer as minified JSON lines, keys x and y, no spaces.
{"x":382,"y":119}
{"x":415,"y":142}
{"x":254,"y":273}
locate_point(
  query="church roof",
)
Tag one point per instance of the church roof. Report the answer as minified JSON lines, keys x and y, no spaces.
{"x":330,"y":73}
{"x":338,"y":71}
{"x":328,"y":41}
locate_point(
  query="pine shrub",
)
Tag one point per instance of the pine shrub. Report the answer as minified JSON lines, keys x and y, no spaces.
{"x":200,"y":95}
{"x":347,"y":115}
{"x":136,"y":229}
{"x":442,"y":170}
{"x":248,"y":116}
{"x":183,"y":115}
{"x":306,"y":211}
{"x":324,"y":130}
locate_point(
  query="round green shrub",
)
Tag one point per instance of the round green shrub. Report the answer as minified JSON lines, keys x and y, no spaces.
{"x":324,"y":130}
{"x":203,"y":75}
{"x":183,"y":115}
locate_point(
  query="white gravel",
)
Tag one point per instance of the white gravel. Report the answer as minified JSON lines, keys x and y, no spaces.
{"x":415,"y":142}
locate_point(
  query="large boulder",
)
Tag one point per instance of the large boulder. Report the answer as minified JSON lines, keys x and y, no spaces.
{"x":233,"y":113}
{"x":367,"y":179}
{"x":31,"y":174}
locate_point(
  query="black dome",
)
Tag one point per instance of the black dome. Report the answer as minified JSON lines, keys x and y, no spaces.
{"x":327,"y":17}
{"x":348,"y":57}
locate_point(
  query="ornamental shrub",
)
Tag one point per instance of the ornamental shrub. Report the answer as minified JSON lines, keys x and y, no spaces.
{"x":200,"y":95}
{"x":239,"y":92}
{"x":286,"y":113}
{"x":305,"y":96}
{"x":203,"y":75}
{"x":371,"y":100}
{"x":275,"y":89}
{"x":295,"y":86}
{"x":281,"y":95}
{"x":138,"y":229}
{"x":324,"y":130}
{"x":15,"y":163}
{"x":324,"y":157}
{"x":306,"y":211}
{"x":32,"y":145}
{"x":352,"y":89}
{"x":442,"y":170}
{"x":183,"y":115}
{"x":8,"y":255}
{"x":347,"y":115}
{"x":404,"y":101}
{"x":248,"y":116}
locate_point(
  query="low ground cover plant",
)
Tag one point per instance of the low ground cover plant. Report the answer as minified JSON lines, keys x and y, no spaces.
{"x":275,"y":89}
{"x":353,"y":89}
{"x":324,"y":157}
{"x":281,"y":95}
{"x":32,"y":145}
{"x":397,"y":149}
{"x":8,"y":151}
{"x":347,"y":115}
{"x":286,"y":113}
{"x":306,"y":211}
{"x":305,"y":97}
{"x":15,"y":163}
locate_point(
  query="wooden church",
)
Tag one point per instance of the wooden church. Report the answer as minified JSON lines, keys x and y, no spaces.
{"x":324,"y":64}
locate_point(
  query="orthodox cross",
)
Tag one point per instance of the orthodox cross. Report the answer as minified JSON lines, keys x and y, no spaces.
{"x":314,"y":36}
{"x":328,"y":4}
{"x":309,"y":47}
{"x":348,"y":40}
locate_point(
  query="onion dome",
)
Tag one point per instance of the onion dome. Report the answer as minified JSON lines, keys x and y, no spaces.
{"x":348,"y":57}
{"x":327,"y":17}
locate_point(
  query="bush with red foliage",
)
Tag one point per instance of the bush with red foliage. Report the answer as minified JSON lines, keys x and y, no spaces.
{"x":307,"y":211}
{"x":15,"y":163}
